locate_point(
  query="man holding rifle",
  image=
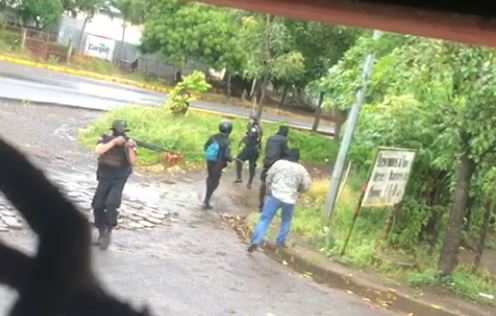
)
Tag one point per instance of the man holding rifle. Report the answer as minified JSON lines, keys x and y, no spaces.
{"x":116,"y":157}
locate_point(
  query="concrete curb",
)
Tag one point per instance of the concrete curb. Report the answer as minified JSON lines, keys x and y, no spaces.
{"x":373,"y":293}
{"x":82,"y":73}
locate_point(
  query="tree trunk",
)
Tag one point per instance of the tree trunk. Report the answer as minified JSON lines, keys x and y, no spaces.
{"x":263,"y":89}
{"x":253,"y":86}
{"x":318,"y":112}
{"x":339,"y":119}
{"x":483,"y":233}
{"x":284,"y":95}
{"x":81,"y":36}
{"x":451,"y":244}
{"x":179,"y":76}
{"x":228,"y":86}
{"x":469,"y":212}
{"x":123,"y":50}
{"x":265,"y":83}
{"x":431,"y":231}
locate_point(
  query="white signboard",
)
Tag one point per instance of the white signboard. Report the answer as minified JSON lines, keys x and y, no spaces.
{"x":99,"y":47}
{"x":389,"y":177}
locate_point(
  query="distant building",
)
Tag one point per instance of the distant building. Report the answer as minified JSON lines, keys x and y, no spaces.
{"x":102,"y":36}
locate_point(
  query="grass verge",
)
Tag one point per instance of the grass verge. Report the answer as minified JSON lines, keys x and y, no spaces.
{"x":364,"y":247}
{"x":187,"y":134}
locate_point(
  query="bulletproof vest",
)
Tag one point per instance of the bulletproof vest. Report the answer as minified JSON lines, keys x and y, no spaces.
{"x":253,"y":136}
{"x":274,"y":149}
{"x":114,"y":164}
{"x":223,"y":141}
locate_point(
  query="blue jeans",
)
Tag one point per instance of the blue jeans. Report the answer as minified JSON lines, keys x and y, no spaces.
{"x":271,"y":205}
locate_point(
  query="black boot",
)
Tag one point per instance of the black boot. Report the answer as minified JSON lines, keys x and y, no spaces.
{"x":252,"y":176}
{"x":207,"y":206}
{"x":239,"y":170}
{"x":106,"y":238}
{"x":101,"y":232}
{"x":208,"y":196}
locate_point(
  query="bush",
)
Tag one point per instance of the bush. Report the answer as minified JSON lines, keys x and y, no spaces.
{"x":187,"y":134}
{"x":9,"y":40}
{"x":186,"y":92}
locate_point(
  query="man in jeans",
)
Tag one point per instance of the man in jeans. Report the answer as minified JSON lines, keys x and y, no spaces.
{"x":285,"y":179}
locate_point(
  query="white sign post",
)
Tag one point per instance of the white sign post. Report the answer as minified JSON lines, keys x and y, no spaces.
{"x":386,"y":185}
{"x":388,"y":180}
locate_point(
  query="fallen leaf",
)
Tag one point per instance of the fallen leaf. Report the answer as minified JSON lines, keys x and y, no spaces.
{"x":350,"y":292}
{"x":284,"y":263}
{"x":435,"y":306}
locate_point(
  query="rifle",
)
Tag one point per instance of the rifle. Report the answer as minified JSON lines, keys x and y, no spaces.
{"x":170,"y":159}
{"x":149,"y":146}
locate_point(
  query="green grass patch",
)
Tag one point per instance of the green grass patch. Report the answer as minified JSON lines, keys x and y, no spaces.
{"x":463,"y":282}
{"x":96,"y":65}
{"x":187,"y":134}
{"x":364,"y":243}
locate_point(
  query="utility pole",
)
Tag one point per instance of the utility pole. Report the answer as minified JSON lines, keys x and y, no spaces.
{"x":348,"y":134}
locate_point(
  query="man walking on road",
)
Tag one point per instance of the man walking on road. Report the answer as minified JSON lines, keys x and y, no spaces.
{"x":252,"y":142}
{"x":116,"y":157}
{"x":217,"y":155}
{"x":285,"y":179}
{"x":276,"y":148}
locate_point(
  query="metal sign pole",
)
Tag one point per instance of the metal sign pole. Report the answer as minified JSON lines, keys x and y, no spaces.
{"x":355,"y":217}
{"x":345,"y":143}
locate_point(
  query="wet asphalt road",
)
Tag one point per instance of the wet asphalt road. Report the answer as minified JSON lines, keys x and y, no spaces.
{"x":193,"y":264}
{"x":18,"y":82}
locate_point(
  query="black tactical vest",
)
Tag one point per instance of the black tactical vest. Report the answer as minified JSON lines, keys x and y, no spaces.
{"x":114,"y":164}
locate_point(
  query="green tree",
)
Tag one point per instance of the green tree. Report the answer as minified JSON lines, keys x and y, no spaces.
{"x":70,"y":6}
{"x":322,"y":46}
{"x":194,"y":33}
{"x":272,"y":57}
{"x":186,"y":92}
{"x":449,"y":120}
{"x":89,"y":8}
{"x":132,"y":12}
{"x":41,"y":13}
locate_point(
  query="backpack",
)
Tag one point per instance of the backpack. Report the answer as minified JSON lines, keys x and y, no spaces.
{"x":212,"y":152}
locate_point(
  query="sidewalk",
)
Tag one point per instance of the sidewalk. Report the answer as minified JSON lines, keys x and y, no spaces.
{"x":374,"y":289}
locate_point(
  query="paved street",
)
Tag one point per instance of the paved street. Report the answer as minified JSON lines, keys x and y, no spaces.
{"x":167,"y":253}
{"x":18,"y":82}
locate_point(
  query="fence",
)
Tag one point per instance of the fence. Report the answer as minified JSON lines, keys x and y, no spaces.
{"x":39,"y":43}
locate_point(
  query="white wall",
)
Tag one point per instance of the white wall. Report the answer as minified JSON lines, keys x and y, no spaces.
{"x":102,"y":25}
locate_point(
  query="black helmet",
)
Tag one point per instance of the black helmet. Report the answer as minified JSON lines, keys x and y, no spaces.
{"x":293,"y":155}
{"x":120,"y":125}
{"x":283,"y":131}
{"x":225,"y":127}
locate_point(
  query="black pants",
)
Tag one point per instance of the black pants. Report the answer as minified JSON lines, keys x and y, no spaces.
{"x":107,"y":200}
{"x":252,"y":157}
{"x":214,"y":169}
